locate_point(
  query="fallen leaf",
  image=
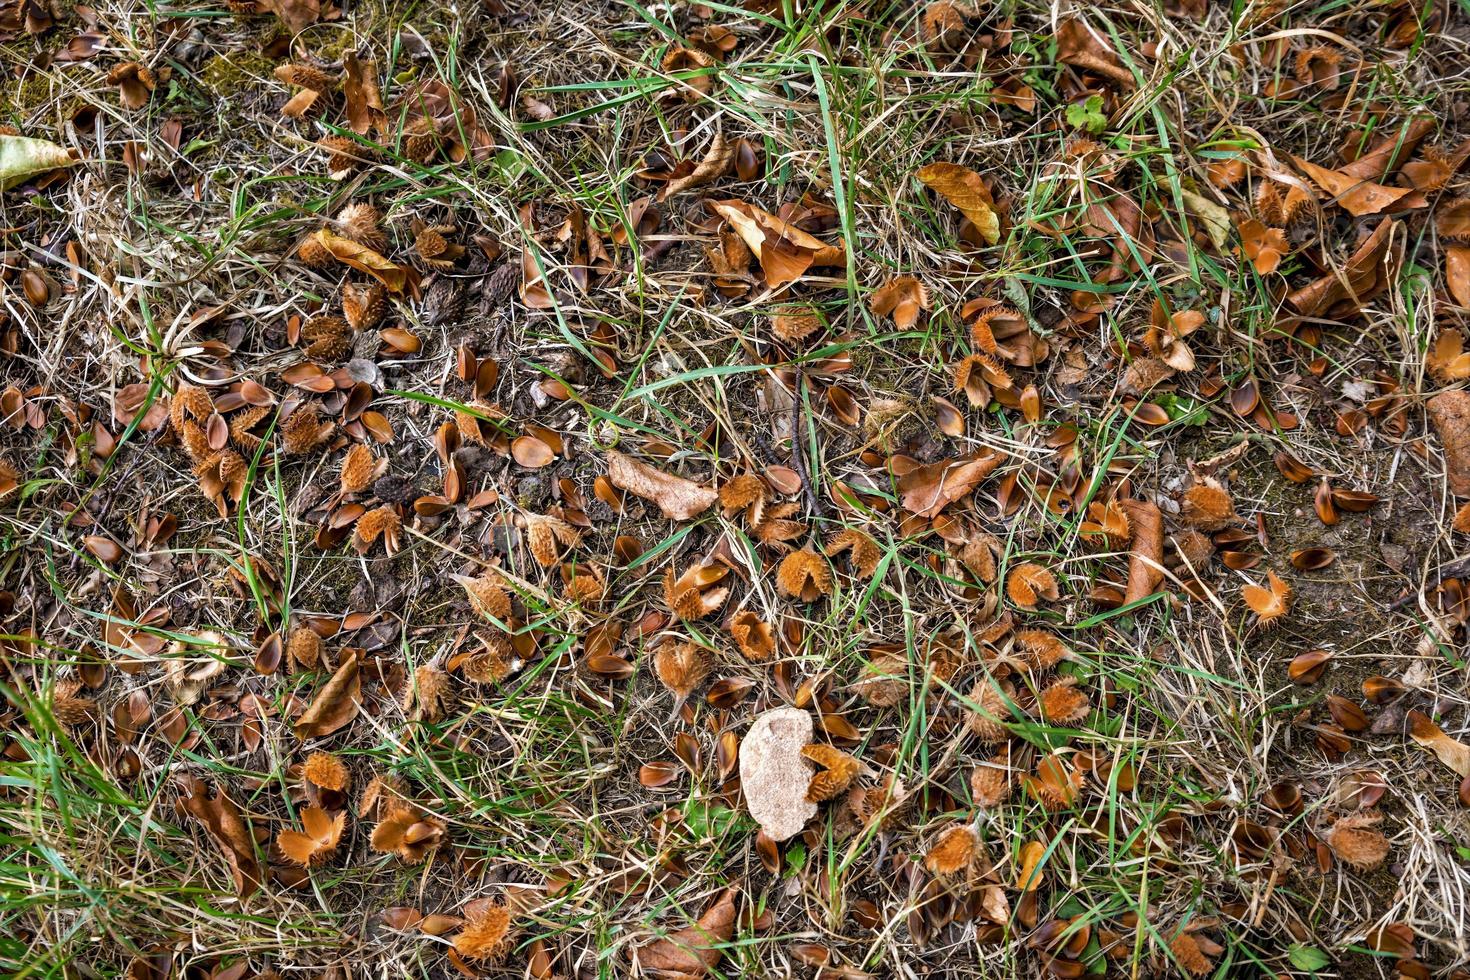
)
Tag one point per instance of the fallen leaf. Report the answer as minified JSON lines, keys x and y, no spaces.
{"x":1146,"y":553}
{"x":785,"y":251}
{"x":335,"y":705}
{"x":679,"y":499}
{"x":363,"y":103}
{"x":930,"y":488}
{"x":715,"y":164}
{"x":1369,"y":271}
{"x":393,"y":276}
{"x":694,"y":950}
{"x":1449,"y":413}
{"x":22,"y":158}
{"x":228,"y":829}
{"x":1080,"y":46}
{"x":1357,"y":196}
{"x":964,"y":188}
{"x":1452,"y":753}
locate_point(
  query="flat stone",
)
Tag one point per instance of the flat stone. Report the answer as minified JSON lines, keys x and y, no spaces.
{"x":774,"y":774}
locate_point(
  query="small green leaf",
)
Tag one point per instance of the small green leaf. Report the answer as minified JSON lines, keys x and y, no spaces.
{"x":22,"y":158}
{"x":1308,"y":958}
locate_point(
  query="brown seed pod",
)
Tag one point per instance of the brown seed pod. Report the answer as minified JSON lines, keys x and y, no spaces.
{"x":991,"y":712}
{"x":328,"y":337}
{"x":838,"y":771}
{"x":363,"y":224}
{"x":360,"y":468}
{"x":680,"y":667}
{"x":1307,"y":668}
{"x":954,"y":851}
{"x":1029,"y":584}
{"x":303,"y":430}
{"x":1207,"y":507}
{"x":363,"y":304}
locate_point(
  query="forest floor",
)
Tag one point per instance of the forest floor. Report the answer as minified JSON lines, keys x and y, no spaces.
{"x":435,"y":437}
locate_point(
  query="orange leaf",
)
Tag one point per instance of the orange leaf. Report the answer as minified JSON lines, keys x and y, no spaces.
{"x":1357,"y":196}
{"x":394,"y":277}
{"x":335,"y":705}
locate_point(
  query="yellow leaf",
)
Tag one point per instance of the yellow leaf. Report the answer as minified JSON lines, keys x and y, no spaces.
{"x":364,"y":259}
{"x":964,"y":189}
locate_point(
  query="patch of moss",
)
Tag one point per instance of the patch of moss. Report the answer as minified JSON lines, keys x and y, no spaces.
{"x":30,"y":94}
{"x":226,"y":74}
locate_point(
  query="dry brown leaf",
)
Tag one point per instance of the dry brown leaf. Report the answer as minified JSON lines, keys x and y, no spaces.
{"x":350,"y":253}
{"x":1146,"y":554}
{"x":715,"y":164}
{"x":1357,"y":196}
{"x":316,"y":841}
{"x":1082,"y":47}
{"x":1449,"y":412}
{"x":785,"y":251}
{"x":930,"y":488}
{"x":694,"y":950}
{"x":903,"y":298}
{"x":964,"y":188}
{"x":1369,"y":271}
{"x":679,"y":499}
{"x":363,"y":101}
{"x":1451,"y":752}
{"x":228,"y":829}
{"x":335,"y":705}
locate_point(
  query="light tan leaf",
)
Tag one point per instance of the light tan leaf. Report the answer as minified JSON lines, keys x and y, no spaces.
{"x":963,"y":188}
{"x":1357,"y":196}
{"x":929,"y":489}
{"x":678,"y":498}
{"x":22,"y":158}
{"x":1452,"y":753}
{"x":1146,"y":554}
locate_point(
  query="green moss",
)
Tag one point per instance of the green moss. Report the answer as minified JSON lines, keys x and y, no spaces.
{"x":225,"y":74}
{"x":25,"y":98}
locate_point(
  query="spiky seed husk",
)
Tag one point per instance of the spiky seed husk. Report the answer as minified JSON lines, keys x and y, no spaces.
{"x":190,"y":401}
{"x":194,"y":440}
{"x":680,"y":668}
{"x":492,"y":663}
{"x":488,"y":596}
{"x":954,"y":851}
{"x":1356,"y":843}
{"x":804,"y":575}
{"x":363,"y":304}
{"x":305,"y":76}
{"x":303,"y":430}
{"x":359,"y":468}
{"x":987,"y":719}
{"x":381,"y":522}
{"x":486,"y":936}
{"x":1062,"y":703}
{"x":546,"y":536}
{"x":884,"y":681}
{"x":382,"y":796}
{"x":343,"y":154}
{"x":838,"y":771}
{"x":329,"y":337}
{"x":304,"y":648}
{"x":1029,"y":583}
{"x":1186,"y":950}
{"x":424,"y":698}
{"x":863,"y":552}
{"x":422,"y":147}
{"x":1039,"y":649}
{"x":990,"y":784}
{"x":747,"y":492}
{"x":68,"y":707}
{"x":795,"y":323}
{"x":241,"y":424}
{"x":1207,"y":507}
{"x":327,"y":771}
{"x":314,"y":253}
{"x":363,"y":224}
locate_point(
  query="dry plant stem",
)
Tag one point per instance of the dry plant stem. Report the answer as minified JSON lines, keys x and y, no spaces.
{"x":798,"y":449}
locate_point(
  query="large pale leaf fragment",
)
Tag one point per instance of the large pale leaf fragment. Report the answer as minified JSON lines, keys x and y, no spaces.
{"x":22,"y":158}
